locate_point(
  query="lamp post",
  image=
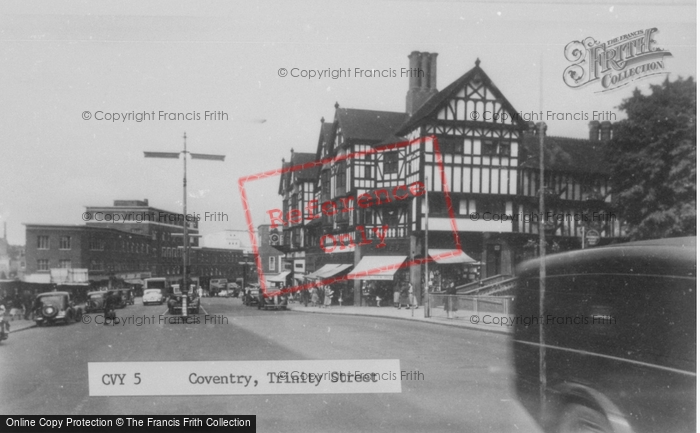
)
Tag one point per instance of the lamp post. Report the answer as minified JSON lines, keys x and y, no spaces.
{"x":541,"y":127}
{"x":185,"y":234}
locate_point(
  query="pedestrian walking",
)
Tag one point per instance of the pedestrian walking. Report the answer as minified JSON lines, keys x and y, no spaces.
{"x":328,"y":297}
{"x":305,"y":297}
{"x":451,"y":300}
{"x":314,"y":297}
{"x":412,"y":296}
{"x":397,"y":294}
{"x":403,"y":296}
{"x":340,"y":297}
{"x":110,"y":304}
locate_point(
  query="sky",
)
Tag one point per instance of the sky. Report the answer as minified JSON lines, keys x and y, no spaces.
{"x":62,"y":59}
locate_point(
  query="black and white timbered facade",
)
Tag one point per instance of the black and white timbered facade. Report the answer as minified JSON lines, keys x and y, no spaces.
{"x":489,"y":158}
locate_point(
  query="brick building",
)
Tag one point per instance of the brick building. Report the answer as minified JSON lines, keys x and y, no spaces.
{"x":128,"y":241}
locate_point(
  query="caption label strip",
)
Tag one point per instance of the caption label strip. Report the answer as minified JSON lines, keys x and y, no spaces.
{"x":244,"y":377}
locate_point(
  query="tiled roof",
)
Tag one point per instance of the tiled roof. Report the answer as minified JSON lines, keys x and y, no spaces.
{"x":308,"y":173}
{"x":368,"y":125}
{"x":324,"y":138}
{"x":566,"y":154}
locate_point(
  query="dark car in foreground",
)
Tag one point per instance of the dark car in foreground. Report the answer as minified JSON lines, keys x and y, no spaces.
{"x":55,"y":307}
{"x":614,"y":349}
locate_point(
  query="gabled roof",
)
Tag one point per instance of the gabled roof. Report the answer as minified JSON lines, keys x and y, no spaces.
{"x":368,"y":125}
{"x":324,"y":139}
{"x":305,"y":175}
{"x":432,"y":105}
{"x":566,"y":154}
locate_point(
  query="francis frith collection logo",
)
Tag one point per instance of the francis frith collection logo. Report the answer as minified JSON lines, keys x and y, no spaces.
{"x":614,"y":63}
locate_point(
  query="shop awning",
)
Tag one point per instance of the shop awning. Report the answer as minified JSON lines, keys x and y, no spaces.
{"x":335,"y":271}
{"x":377,"y":268}
{"x":279,"y":278}
{"x":450,"y":257}
{"x":324,"y":268}
{"x":136,"y":281}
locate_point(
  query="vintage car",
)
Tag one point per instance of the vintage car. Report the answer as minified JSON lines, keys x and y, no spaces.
{"x":251,"y":296}
{"x":55,"y":307}
{"x":176,"y":299}
{"x":127,"y":297}
{"x":153,"y":296}
{"x":95,"y":302}
{"x":233,"y":289}
{"x":278,"y":302}
{"x":619,"y":327}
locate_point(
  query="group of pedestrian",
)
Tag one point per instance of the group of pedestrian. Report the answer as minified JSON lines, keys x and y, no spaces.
{"x":403,"y":295}
{"x":18,"y":306}
{"x":321,"y":296}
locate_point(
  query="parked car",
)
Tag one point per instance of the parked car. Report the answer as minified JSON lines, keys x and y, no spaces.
{"x":95,"y":301}
{"x":153,"y":296}
{"x":618,"y":350}
{"x":216,"y":285}
{"x":272,"y":302}
{"x":127,"y":296}
{"x":233,"y":289}
{"x":53,"y":307}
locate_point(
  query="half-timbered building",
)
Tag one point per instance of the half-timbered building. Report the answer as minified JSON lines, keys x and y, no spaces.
{"x":479,"y":171}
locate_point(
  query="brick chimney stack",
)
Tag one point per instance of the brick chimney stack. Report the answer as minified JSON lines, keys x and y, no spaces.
{"x":422,"y":79}
{"x":594,"y":130}
{"x":605,"y":131}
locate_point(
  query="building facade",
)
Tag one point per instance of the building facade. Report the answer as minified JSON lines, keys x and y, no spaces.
{"x":128,"y":241}
{"x":271,"y":259}
{"x":464,"y":156}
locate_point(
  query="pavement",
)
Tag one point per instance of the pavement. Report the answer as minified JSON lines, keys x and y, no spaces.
{"x":17,"y":325}
{"x":489,"y":322}
{"x":462,"y":319}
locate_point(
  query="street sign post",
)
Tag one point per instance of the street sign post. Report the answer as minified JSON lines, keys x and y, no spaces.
{"x":185,"y":223}
{"x":592,"y":237}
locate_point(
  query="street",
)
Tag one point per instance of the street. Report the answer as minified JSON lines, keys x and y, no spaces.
{"x":465,"y":386}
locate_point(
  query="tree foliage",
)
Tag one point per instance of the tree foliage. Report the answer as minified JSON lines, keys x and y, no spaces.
{"x":653,"y":158}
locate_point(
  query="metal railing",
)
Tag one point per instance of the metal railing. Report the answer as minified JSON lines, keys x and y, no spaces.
{"x":501,"y":285}
{"x":477,"y":285}
{"x":442,"y":304}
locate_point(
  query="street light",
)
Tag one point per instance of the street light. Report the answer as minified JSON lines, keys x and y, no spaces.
{"x":185,"y":240}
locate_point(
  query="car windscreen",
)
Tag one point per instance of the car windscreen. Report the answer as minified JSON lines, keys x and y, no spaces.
{"x":54,"y":301}
{"x":151,"y":292}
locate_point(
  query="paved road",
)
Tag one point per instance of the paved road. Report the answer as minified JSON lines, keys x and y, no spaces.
{"x":466,"y":384}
